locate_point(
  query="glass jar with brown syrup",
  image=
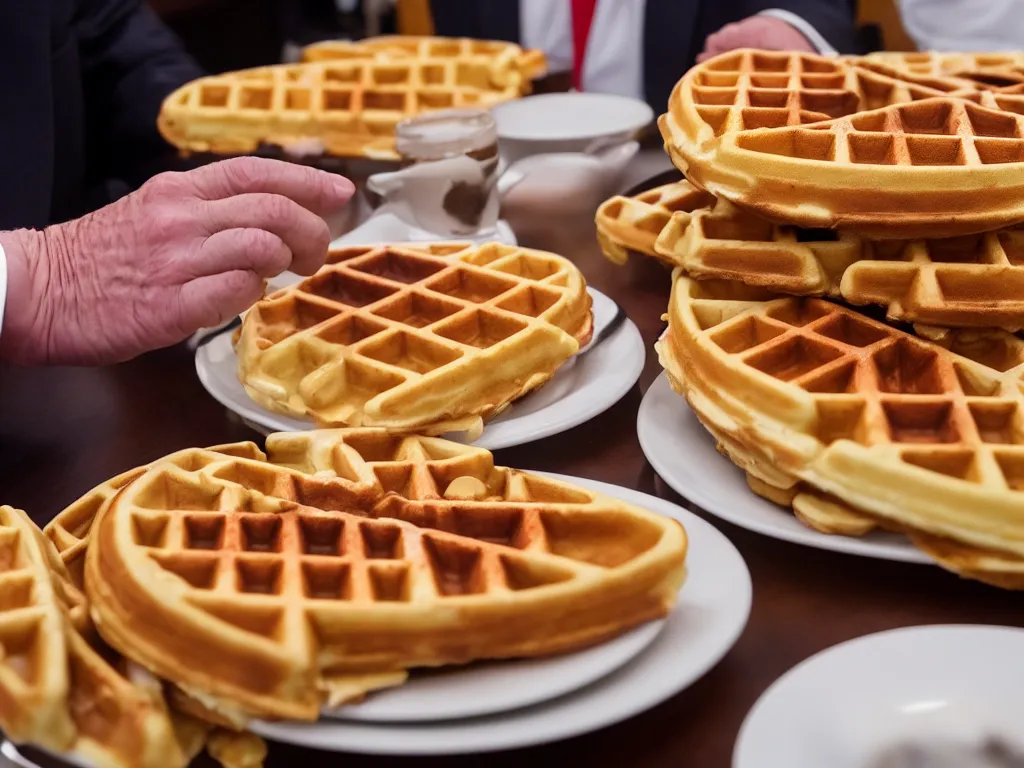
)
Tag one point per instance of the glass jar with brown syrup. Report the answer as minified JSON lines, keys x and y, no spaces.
{"x":449,"y":171}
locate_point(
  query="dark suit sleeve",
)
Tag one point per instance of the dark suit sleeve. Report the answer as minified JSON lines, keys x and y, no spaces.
{"x":834,"y":19}
{"x":130,"y":62}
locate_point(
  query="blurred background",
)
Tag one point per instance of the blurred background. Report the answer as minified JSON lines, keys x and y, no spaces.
{"x":232,"y":34}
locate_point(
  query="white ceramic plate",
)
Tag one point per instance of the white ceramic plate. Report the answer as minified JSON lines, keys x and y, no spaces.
{"x":948,"y":686}
{"x":713,"y":608}
{"x":579,"y":390}
{"x":12,"y":757}
{"x":486,"y":689}
{"x":684,"y":454}
{"x":570,"y":116}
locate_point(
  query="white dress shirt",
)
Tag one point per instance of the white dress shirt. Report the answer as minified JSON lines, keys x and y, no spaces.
{"x":964,"y":25}
{"x":613,"y":62}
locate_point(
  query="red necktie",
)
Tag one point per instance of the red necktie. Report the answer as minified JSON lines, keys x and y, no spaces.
{"x":582,"y":16}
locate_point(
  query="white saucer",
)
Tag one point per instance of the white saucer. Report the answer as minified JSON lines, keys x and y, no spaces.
{"x":486,"y":689}
{"x":713,"y":608}
{"x":948,"y":686}
{"x":684,"y":455}
{"x":579,"y":390}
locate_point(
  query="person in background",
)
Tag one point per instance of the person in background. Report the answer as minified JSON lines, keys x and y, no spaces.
{"x":964,"y":25}
{"x":82,"y":84}
{"x":641,"y":48}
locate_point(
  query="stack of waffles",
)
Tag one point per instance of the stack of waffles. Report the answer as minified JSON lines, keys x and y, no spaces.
{"x":176,"y":602}
{"x":849,"y":279}
{"x":68,"y":692}
{"x":431,"y":338}
{"x":344,"y":99}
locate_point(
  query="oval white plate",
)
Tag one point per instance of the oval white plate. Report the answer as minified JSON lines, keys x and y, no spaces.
{"x":570,"y":116}
{"x":486,"y":689}
{"x":713,"y":608}
{"x":579,"y":390}
{"x":684,"y":455}
{"x":952,"y":686}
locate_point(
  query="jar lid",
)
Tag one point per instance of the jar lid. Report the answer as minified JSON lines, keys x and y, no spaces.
{"x":446,"y":132}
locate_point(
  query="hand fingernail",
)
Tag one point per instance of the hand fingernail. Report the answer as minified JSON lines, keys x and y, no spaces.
{"x":343,"y":186}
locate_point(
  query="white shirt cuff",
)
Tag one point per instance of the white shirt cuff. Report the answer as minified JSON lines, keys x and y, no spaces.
{"x":802,"y":26}
{"x":3,"y":286}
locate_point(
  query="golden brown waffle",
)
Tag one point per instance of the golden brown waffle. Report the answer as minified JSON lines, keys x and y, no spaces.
{"x":969,"y":281}
{"x":34,"y":676}
{"x":69,"y":529}
{"x":433,"y":337}
{"x":989,"y":69}
{"x":59,"y":691}
{"x":136,"y":728}
{"x":725,"y":242}
{"x":341,"y":108}
{"x":358,"y":551}
{"x":830,"y":515}
{"x":500,"y":56}
{"x":632,"y":224}
{"x":805,"y":394}
{"x":820,"y":142}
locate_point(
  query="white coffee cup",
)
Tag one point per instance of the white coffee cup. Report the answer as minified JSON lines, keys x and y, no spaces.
{"x":567,"y":122}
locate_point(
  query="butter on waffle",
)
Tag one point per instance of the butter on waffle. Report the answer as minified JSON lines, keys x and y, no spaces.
{"x":632,"y":224}
{"x":346,"y":108}
{"x":357,"y":552}
{"x":435,"y":337}
{"x":500,"y":56}
{"x":968,"y":281}
{"x":811,"y":397}
{"x":821,"y":142}
{"x":59,"y":691}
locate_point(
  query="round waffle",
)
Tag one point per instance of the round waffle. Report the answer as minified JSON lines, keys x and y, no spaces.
{"x":432,"y":337}
{"x":357,"y":552}
{"x":993,"y":69}
{"x":813,"y":399}
{"x":507,"y":60}
{"x":59,"y":688}
{"x":69,"y":530}
{"x":632,"y":224}
{"x":969,"y":281}
{"x":348,"y":101}
{"x":821,"y":142}
{"x":973,"y":281}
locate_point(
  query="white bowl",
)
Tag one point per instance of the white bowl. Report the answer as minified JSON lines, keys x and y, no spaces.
{"x":567,"y":122}
{"x":940,"y":687}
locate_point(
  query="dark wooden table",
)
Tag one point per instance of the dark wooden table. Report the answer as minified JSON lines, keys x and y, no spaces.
{"x":63,"y":430}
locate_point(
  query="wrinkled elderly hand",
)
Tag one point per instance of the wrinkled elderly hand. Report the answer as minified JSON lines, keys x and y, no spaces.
{"x":756,"y":32}
{"x":185,"y":251}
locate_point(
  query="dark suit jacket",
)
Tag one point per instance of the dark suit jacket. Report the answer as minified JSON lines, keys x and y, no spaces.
{"x":674,"y":30}
{"x":81,"y":82}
